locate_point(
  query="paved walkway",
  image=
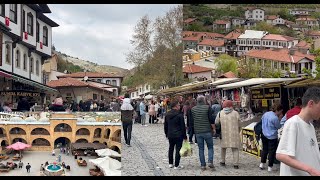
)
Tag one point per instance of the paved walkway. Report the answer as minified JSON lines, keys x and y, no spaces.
{"x":37,"y":158}
{"x":148,"y":157}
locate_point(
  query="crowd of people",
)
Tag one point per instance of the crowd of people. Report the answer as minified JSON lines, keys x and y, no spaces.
{"x":296,"y":145}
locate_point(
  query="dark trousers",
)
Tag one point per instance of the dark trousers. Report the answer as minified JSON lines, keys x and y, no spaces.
{"x":138,"y":118}
{"x":175,"y":142}
{"x":28,"y":170}
{"x":191,"y":133}
{"x":151,"y":119}
{"x":127,"y":129}
{"x":269,"y":148}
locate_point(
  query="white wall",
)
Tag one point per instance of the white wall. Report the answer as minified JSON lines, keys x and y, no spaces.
{"x":31,"y":38}
{"x":53,"y":75}
{"x":15,"y":27}
{"x":198,"y":75}
{"x":19,"y":70}
{"x":5,"y":66}
{"x":258,"y":14}
{"x":34,"y":76}
{"x":45,"y":49}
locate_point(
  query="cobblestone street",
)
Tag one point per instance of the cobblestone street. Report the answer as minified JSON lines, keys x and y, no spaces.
{"x":148,"y":157}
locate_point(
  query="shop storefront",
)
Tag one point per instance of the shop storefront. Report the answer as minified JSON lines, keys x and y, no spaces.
{"x":14,"y":87}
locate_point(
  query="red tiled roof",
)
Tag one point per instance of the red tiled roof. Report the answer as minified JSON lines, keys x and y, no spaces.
{"x":228,"y":75}
{"x":306,"y":19}
{"x":191,"y":68}
{"x":221,"y":22}
{"x":212,"y":42}
{"x":272,"y":17}
{"x":71,"y":82}
{"x":279,"y":55}
{"x":303,"y":45}
{"x":289,"y":22}
{"x":232,"y":35}
{"x":278,"y":37}
{"x":189,"y":20}
{"x":90,"y":75}
{"x":313,"y":33}
{"x":195,"y":36}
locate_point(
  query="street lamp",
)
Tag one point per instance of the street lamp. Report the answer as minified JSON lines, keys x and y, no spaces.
{"x":175,"y":79}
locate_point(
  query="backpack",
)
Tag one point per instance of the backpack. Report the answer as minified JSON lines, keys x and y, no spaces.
{"x":258,"y":130}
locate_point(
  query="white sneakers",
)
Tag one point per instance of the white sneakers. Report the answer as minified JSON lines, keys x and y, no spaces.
{"x":178,"y":168}
{"x":261,"y":166}
{"x":175,"y":168}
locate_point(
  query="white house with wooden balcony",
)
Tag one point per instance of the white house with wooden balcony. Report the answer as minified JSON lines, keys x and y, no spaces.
{"x":250,"y":39}
{"x":278,"y":41}
{"x":275,"y":20}
{"x":308,"y":21}
{"x":282,"y":59}
{"x":254,"y":14}
{"x":26,"y":41}
{"x":30,"y":32}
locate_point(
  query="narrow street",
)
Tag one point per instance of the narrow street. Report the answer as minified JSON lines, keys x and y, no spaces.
{"x":148,"y":157}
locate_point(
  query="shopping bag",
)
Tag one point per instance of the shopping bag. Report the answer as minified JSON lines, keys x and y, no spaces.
{"x":186,"y":149}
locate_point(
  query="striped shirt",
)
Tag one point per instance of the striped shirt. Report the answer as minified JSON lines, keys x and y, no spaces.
{"x":202,"y":118}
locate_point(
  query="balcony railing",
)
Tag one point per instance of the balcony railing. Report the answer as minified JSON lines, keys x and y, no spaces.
{"x":63,"y":130}
{"x":40,"y":133}
{"x":16,"y":133}
{"x":2,"y":135}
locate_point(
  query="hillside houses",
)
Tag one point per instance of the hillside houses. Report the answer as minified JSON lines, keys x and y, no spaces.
{"x":282,"y":59}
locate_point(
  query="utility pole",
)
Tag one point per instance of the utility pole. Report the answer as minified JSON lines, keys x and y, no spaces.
{"x":175,"y":79}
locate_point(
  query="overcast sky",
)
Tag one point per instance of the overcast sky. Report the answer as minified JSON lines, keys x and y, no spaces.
{"x":99,"y":32}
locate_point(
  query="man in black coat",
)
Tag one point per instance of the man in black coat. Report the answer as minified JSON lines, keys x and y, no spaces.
{"x":175,"y":130}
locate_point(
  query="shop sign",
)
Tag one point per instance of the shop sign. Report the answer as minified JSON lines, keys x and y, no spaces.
{"x":17,"y":93}
{"x":257,"y":94}
{"x":249,"y":143}
{"x":264,"y":103}
{"x":272,"y":93}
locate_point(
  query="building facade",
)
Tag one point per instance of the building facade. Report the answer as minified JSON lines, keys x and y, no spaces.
{"x":61,"y":129}
{"x":254,"y":14}
{"x":26,"y":41}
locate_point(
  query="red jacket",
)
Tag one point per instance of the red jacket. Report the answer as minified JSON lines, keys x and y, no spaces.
{"x":294,"y":111}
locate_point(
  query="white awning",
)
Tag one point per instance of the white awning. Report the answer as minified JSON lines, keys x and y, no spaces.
{"x":255,"y":81}
{"x":224,"y":81}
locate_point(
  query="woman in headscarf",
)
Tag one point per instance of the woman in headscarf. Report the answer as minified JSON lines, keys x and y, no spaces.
{"x":126,"y":118}
{"x":229,"y":119}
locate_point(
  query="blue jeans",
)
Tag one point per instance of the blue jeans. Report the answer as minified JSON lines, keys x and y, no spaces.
{"x":201,"y":137}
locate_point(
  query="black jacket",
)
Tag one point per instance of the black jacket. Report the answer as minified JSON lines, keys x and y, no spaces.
{"x":23,"y":105}
{"x":174,"y":126}
{"x":57,"y":108}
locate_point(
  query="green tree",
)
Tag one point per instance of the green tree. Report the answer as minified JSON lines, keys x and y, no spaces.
{"x":317,"y":72}
{"x":264,"y":26}
{"x":226,"y":63}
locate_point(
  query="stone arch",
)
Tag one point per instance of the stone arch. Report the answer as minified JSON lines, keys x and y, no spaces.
{"x":83,"y":131}
{"x":40,"y":142}
{"x":107,"y":133}
{"x":40,"y":131}
{"x":63,"y":127}
{"x":82,"y":140}
{"x":116,"y":148}
{"x":4,"y":143}
{"x":2,"y":132}
{"x":116,"y":136}
{"x":19,"y":140}
{"x":17,"y":130}
{"x":97,"y":133}
{"x":62,"y":141}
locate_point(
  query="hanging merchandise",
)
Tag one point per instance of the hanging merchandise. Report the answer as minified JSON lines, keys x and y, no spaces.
{"x":244,"y":98}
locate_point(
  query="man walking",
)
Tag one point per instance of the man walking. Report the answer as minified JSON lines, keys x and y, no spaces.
{"x":126,"y":118}
{"x":298,"y":148}
{"x":204,"y":127}
{"x":20,"y":164}
{"x":143,"y":113}
{"x":175,"y":130}
{"x":28,"y":167}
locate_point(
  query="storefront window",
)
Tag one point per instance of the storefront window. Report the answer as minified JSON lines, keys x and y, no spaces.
{"x":37,"y":67}
{"x":8,"y":52}
{"x":25,"y":62}
{"x":31,"y":65}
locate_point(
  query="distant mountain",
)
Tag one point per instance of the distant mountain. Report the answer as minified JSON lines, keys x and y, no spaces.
{"x":85,"y":64}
